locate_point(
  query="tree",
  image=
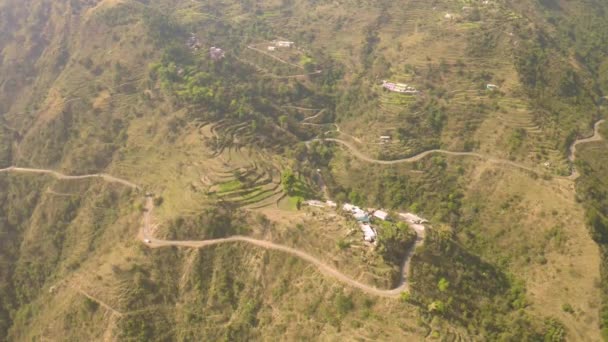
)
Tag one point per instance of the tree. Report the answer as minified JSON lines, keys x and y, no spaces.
{"x":344,"y":304}
{"x":288,"y":180}
{"x":393,"y":241}
{"x":308,"y":64}
{"x":597,"y":225}
{"x":568,"y":308}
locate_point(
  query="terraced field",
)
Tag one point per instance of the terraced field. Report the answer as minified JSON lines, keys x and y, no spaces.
{"x":270,"y":65}
{"x":255,"y":186}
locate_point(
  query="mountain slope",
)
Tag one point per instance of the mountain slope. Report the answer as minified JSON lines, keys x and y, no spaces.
{"x":225,"y":146}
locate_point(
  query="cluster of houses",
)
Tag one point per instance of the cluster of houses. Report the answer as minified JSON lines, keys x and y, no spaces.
{"x":195,"y":44}
{"x":401,"y":88}
{"x":280,"y":44}
{"x":364,"y":218}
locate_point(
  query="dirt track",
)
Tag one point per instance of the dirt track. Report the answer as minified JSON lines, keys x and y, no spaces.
{"x":145,"y":235}
{"x":595,"y":137}
{"x":146,"y":228}
{"x":573,"y":176}
{"x":58,"y":175}
{"x":324,"y":268}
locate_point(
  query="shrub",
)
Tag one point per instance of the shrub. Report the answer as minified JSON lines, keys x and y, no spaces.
{"x":568,"y":308}
{"x":443,"y":284}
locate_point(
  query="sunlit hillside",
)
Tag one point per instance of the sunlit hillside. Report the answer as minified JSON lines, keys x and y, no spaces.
{"x":303,"y":170}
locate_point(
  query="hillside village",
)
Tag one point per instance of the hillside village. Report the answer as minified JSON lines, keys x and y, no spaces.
{"x":368,"y":218}
{"x":419,"y":105}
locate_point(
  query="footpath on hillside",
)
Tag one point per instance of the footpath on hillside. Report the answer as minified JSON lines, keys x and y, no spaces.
{"x":145,"y":233}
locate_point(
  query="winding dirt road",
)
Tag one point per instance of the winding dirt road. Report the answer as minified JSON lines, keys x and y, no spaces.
{"x":314,"y":116}
{"x":595,"y":137}
{"x":421,"y":156}
{"x":573,"y":176}
{"x":58,"y":175}
{"x":146,"y":233}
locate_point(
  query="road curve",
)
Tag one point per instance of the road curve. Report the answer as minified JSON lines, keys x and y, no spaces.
{"x":422,"y":155}
{"x":573,"y":176}
{"x":324,"y":268}
{"x":595,"y":137}
{"x":146,"y":228}
{"x":58,"y":175}
{"x":147,"y":236}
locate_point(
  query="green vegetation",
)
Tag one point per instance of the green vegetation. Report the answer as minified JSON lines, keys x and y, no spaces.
{"x":394,"y":241}
{"x":443,"y":285}
{"x":437,"y":190}
{"x":460,"y":277}
{"x":288,"y":180}
{"x":213,"y":223}
{"x":593,"y":193}
{"x":111,"y":86}
{"x":230,"y":185}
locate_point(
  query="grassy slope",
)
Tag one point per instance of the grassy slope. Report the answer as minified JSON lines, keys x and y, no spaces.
{"x":592,"y":189}
{"x":94,"y":53}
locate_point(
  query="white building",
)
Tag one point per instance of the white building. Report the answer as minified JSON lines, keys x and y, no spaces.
{"x":272,"y":48}
{"x":331,"y":204}
{"x":383,"y":215}
{"x":399,"y":87}
{"x":368,"y":233}
{"x":315,"y":203}
{"x":348,"y":207}
{"x":490,"y":86}
{"x":283,"y":43}
{"x":361,"y":215}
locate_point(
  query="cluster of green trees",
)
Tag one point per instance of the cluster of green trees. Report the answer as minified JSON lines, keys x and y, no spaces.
{"x":394,"y":240}
{"x":26,"y":265}
{"x":549,"y":62}
{"x":474,"y":293}
{"x":592,"y":191}
{"x":232,"y":91}
{"x":436,"y":191}
{"x":212,"y":223}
